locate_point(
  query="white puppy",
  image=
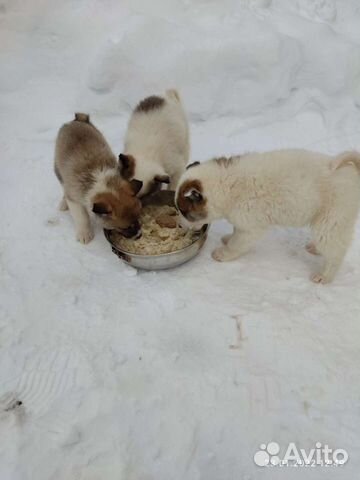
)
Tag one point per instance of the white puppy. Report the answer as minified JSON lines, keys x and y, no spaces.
{"x":288,"y":188}
{"x":157,"y":142}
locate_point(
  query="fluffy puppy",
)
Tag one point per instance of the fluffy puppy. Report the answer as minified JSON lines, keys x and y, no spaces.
{"x":90,"y":176}
{"x":292,"y":188}
{"x":157,"y":142}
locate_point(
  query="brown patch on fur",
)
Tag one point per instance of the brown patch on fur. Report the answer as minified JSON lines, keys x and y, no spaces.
{"x":150,"y":103}
{"x":82,"y":117}
{"x":117,"y":183}
{"x":192,"y":209}
{"x":127,"y":165}
{"x":224,"y":161}
{"x":107,"y":202}
{"x":122,"y":207}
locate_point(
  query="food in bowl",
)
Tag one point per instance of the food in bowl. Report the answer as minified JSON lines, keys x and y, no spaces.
{"x":161,"y":233}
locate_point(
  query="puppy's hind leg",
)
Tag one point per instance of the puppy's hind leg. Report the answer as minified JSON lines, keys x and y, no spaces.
{"x":311,"y":248}
{"x":237,"y":244}
{"x":332,"y":245}
{"x":331,"y":266}
{"x":63,"y":206}
{"x":225,"y":239}
{"x":84,"y":231}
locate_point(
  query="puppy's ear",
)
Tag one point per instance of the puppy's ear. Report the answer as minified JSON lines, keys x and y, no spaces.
{"x":193,"y":195}
{"x":192,"y":165}
{"x":162,"y":179}
{"x":135,"y":186}
{"x":127,"y":166}
{"x":102,"y":208}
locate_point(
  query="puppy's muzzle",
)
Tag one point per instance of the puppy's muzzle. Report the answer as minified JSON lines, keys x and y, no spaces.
{"x":133,"y":231}
{"x":187,"y":217}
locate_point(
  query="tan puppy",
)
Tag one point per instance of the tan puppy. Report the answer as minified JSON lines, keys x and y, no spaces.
{"x":292,"y":188}
{"x":157,"y":142}
{"x":90,"y":176}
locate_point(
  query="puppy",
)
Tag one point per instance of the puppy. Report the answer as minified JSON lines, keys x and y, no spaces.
{"x":90,"y":176}
{"x":292,"y":188}
{"x":156,"y":143}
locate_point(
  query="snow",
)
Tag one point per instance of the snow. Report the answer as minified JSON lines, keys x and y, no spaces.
{"x":181,"y":374}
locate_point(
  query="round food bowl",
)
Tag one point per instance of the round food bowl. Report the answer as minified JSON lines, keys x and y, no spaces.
{"x":163,"y":260}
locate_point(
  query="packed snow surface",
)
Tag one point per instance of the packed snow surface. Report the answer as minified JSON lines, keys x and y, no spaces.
{"x":181,"y":374}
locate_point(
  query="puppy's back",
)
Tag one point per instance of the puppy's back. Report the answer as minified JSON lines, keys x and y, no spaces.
{"x":79,"y":134}
{"x":80,"y":151}
{"x":80,"y":142}
{"x":157,"y":121}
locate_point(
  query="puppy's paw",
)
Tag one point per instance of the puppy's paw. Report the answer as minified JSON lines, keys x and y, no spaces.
{"x":63,"y":206}
{"x":310,"y":248}
{"x":316,"y":278}
{"x":85,"y":236}
{"x":226,"y":238}
{"x":222,"y":254}
{"x":320,"y":278}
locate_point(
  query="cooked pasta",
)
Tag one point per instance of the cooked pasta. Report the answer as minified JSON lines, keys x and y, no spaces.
{"x":161,"y":233}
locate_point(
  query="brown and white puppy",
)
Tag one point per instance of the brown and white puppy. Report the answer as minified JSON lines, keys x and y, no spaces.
{"x":292,"y":188}
{"x":90,"y":176}
{"x":156,"y":146}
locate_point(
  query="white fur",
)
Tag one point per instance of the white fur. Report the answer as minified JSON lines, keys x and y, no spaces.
{"x":81,"y":217}
{"x":81,"y":209}
{"x":288,"y":188}
{"x":159,"y":142}
{"x":100,"y":185}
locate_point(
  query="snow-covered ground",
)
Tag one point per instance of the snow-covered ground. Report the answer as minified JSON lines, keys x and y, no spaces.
{"x":181,"y":374}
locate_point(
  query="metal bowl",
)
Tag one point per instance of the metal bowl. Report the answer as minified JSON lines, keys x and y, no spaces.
{"x":164,"y":260}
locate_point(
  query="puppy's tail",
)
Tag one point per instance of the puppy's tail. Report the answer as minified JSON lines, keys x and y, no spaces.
{"x":82,"y":117}
{"x":173,"y":94}
{"x":346,"y":158}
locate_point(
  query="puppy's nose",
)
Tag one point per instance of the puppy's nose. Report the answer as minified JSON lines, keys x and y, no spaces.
{"x":136,"y":227}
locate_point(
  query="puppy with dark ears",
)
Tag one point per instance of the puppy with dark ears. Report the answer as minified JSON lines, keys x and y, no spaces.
{"x":89,"y":174}
{"x":190,"y":199}
{"x":156,"y":143}
{"x":192,"y":203}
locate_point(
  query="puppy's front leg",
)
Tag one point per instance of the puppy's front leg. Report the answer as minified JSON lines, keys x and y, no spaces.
{"x":174,"y":181}
{"x":236,"y":245}
{"x":225,"y":239}
{"x":84,"y":231}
